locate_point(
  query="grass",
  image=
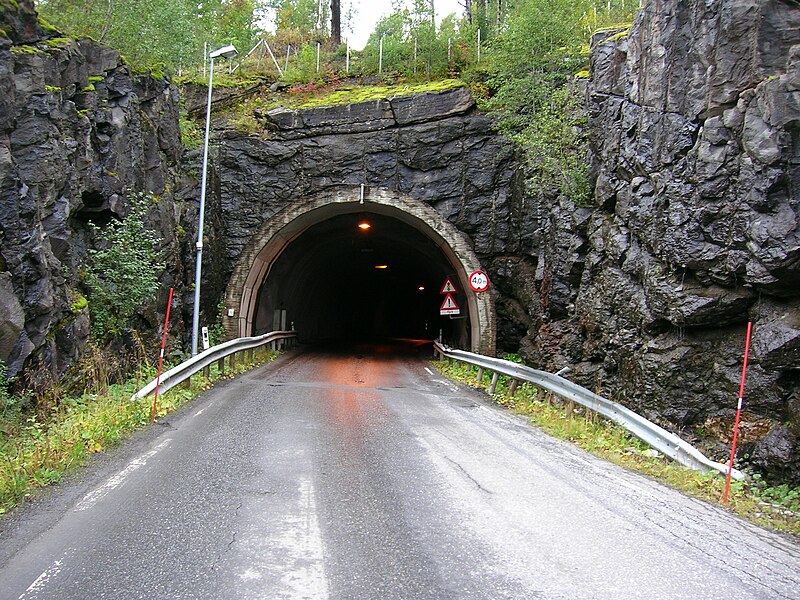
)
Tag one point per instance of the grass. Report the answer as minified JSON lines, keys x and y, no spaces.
{"x":773,"y":507}
{"x":36,"y":451}
{"x":351,"y":94}
{"x":304,"y":97}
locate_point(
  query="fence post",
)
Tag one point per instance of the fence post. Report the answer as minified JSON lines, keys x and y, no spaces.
{"x":479,"y":44}
{"x":493,"y":385}
{"x":380,"y":57}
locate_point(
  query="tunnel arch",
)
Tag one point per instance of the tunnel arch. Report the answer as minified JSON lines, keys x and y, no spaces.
{"x":275,"y":237}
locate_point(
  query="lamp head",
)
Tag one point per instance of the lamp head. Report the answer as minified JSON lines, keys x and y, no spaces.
{"x":224,"y":52}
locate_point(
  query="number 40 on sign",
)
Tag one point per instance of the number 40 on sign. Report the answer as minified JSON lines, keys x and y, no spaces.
{"x":478,"y":281}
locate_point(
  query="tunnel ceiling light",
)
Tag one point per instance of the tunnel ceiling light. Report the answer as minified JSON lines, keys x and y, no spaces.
{"x":381,"y":266}
{"x":421,"y":288}
{"x":364,"y":225}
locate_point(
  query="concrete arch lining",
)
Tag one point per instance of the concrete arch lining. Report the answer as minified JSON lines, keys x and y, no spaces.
{"x":273,"y":238}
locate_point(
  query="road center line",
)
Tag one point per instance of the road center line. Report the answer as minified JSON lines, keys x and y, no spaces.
{"x":95,"y":496}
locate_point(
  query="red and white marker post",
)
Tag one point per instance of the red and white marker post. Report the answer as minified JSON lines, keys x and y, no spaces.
{"x":161,"y":357}
{"x":738,"y":413}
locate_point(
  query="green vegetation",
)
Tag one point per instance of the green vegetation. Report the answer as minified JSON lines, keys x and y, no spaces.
{"x":773,"y":507}
{"x":57,"y":42}
{"x":531,"y":69}
{"x":171,"y":32}
{"x":123,"y":272}
{"x":352,"y":94}
{"x":245,"y":117}
{"x":79,"y":303}
{"x":25,"y":49}
{"x":191,"y":132}
{"x":41,"y":448}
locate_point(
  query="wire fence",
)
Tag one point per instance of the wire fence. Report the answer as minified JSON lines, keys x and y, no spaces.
{"x":433,"y":57}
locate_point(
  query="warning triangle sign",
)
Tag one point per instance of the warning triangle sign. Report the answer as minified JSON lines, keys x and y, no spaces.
{"x":449,"y":306}
{"x":448,"y":287}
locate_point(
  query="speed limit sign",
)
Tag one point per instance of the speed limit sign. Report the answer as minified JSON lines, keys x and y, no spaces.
{"x":479,"y":281}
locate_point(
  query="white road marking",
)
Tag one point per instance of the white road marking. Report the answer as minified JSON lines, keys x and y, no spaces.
{"x":42,"y":580}
{"x":429,"y":371}
{"x":302,"y":543}
{"x":288,"y":565}
{"x":199,"y":412}
{"x":95,"y":496}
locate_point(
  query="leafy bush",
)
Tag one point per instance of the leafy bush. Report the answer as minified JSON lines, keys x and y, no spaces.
{"x":123,"y":273}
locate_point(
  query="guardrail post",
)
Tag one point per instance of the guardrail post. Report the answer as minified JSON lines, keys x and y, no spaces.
{"x":233,"y":360}
{"x":493,"y":385}
{"x":207,"y":371}
{"x":480,"y":373}
{"x":514,"y":385}
{"x":221,"y":365}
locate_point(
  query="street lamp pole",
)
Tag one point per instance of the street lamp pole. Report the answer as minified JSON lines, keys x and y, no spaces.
{"x":224,"y":52}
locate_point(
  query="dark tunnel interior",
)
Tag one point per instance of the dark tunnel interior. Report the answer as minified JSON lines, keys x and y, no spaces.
{"x":342,"y":280}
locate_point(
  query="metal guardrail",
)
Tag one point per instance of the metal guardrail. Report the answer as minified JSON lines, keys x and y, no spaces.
{"x":657,"y":437}
{"x":205,"y":359}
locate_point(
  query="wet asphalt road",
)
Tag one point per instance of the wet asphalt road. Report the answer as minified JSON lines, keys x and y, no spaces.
{"x":363,"y":476}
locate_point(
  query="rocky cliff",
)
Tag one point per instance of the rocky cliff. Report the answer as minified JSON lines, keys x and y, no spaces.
{"x":78,"y":132}
{"x":695,"y":136}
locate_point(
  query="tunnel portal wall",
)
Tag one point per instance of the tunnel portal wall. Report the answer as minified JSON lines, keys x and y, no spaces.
{"x":431,"y":154}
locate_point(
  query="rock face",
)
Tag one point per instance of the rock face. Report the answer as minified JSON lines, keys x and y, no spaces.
{"x":695,"y":134}
{"x":78,"y":130}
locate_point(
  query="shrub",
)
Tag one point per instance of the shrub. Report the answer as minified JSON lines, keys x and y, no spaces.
{"x":123,"y":273}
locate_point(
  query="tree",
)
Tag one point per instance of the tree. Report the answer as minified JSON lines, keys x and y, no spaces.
{"x":336,"y":23}
{"x":171,"y":32}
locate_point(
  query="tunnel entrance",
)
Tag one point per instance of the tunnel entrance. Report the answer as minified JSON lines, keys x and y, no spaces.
{"x":358,"y":265}
{"x":360,"y":276}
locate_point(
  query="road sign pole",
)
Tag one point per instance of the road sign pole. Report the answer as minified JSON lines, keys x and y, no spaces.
{"x":738,"y":413}
{"x":161,"y":357}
